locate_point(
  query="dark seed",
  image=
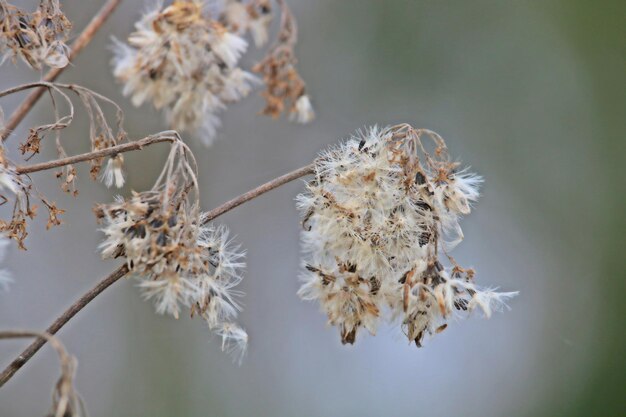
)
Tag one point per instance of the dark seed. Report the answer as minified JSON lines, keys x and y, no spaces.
{"x":171,"y":222}
{"x":162,"y":239}
{"x":156,"y":223}
{"x":460,"y":304}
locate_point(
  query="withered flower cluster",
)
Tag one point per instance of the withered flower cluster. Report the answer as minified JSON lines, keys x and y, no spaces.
{"x":38,"y":38}
{"x":186,"y":62}
{"x":19,"y":189}
{"x":378,"y":215}
{"x":285,"y":90}
{"x":182,"y":260}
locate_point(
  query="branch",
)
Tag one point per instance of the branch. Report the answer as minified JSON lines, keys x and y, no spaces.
{"x":261,"y":189}
{"x":83,"y":39}
{"x":120,"y":272}
{"x":65,"y":399}
{"x":114,"y":150}
{"x":28,"y":353}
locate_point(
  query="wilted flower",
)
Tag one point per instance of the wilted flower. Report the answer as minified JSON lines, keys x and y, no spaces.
{"x":38,"y":38}
{"x":185,"y":63}
{"x":285,"y":90}
{"x":181,"y":259}
{"x":376,"y":217}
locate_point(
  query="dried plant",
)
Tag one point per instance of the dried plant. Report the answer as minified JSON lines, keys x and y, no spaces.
{"x":380,"y":215}
{"x":185,"y":61}
{"x":19,"y":188}
{"x":377,"y":215}
{"x":285,"y":89}
{"x":65,"y":400}
{"x":183,"y":261}
{"x":38,"y":38}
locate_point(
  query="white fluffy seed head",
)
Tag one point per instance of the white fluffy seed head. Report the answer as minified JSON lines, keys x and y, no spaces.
{"x":185,"y":63}
{"x":180,"y":259}
{"x":378,"y":214}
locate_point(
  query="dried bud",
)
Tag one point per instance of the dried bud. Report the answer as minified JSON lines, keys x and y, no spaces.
{"x":38,"y":38}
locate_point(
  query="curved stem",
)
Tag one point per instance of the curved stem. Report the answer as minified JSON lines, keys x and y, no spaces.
{"x":120,"y":272}
{"x":28,"y":353}
{"x":83,"y":39}
{"x":261,"y":189}
{"x":114,"y":150}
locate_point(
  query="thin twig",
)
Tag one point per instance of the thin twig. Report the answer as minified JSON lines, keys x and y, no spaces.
{"x":28,"y":353}
{"x":81,"y":41}
{"x":65,"y":399}
{"x":261,"y":189}
{"x":114,"y":150}
{"x":120,"y":272}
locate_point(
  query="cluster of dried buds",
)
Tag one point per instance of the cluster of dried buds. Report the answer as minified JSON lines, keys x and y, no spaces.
{"x":186,"y":62}
{"x":181,"y":259}
{"x":285,"y":89}
{"x":376,"y":217}
{"x":37,"y":38}
{"x":18,"y":188}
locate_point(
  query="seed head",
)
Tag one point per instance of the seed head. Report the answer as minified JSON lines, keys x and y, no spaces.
{"x":182,"y":260}
{"x":378,"y":214}
{"x":186,"y":64}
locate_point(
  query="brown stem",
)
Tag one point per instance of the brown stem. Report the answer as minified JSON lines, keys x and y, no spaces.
{"x":28,"y":353}
{"x":83,"y":39}
{"x":261,"y":189}
{"x":114,"y":150}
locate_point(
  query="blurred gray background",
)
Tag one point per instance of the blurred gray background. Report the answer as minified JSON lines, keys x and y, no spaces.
{"x":531,"y":94}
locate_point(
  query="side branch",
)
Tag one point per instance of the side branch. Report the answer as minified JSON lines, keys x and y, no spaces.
{"x":83,"y":39}
{"x":28,"y":353}
{"x":114,"y":150}
{"x":261,"y":189}
{"x":120,"y":272}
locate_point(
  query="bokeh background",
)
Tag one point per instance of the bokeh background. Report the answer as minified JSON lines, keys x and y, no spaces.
{"x":531,"y":94}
